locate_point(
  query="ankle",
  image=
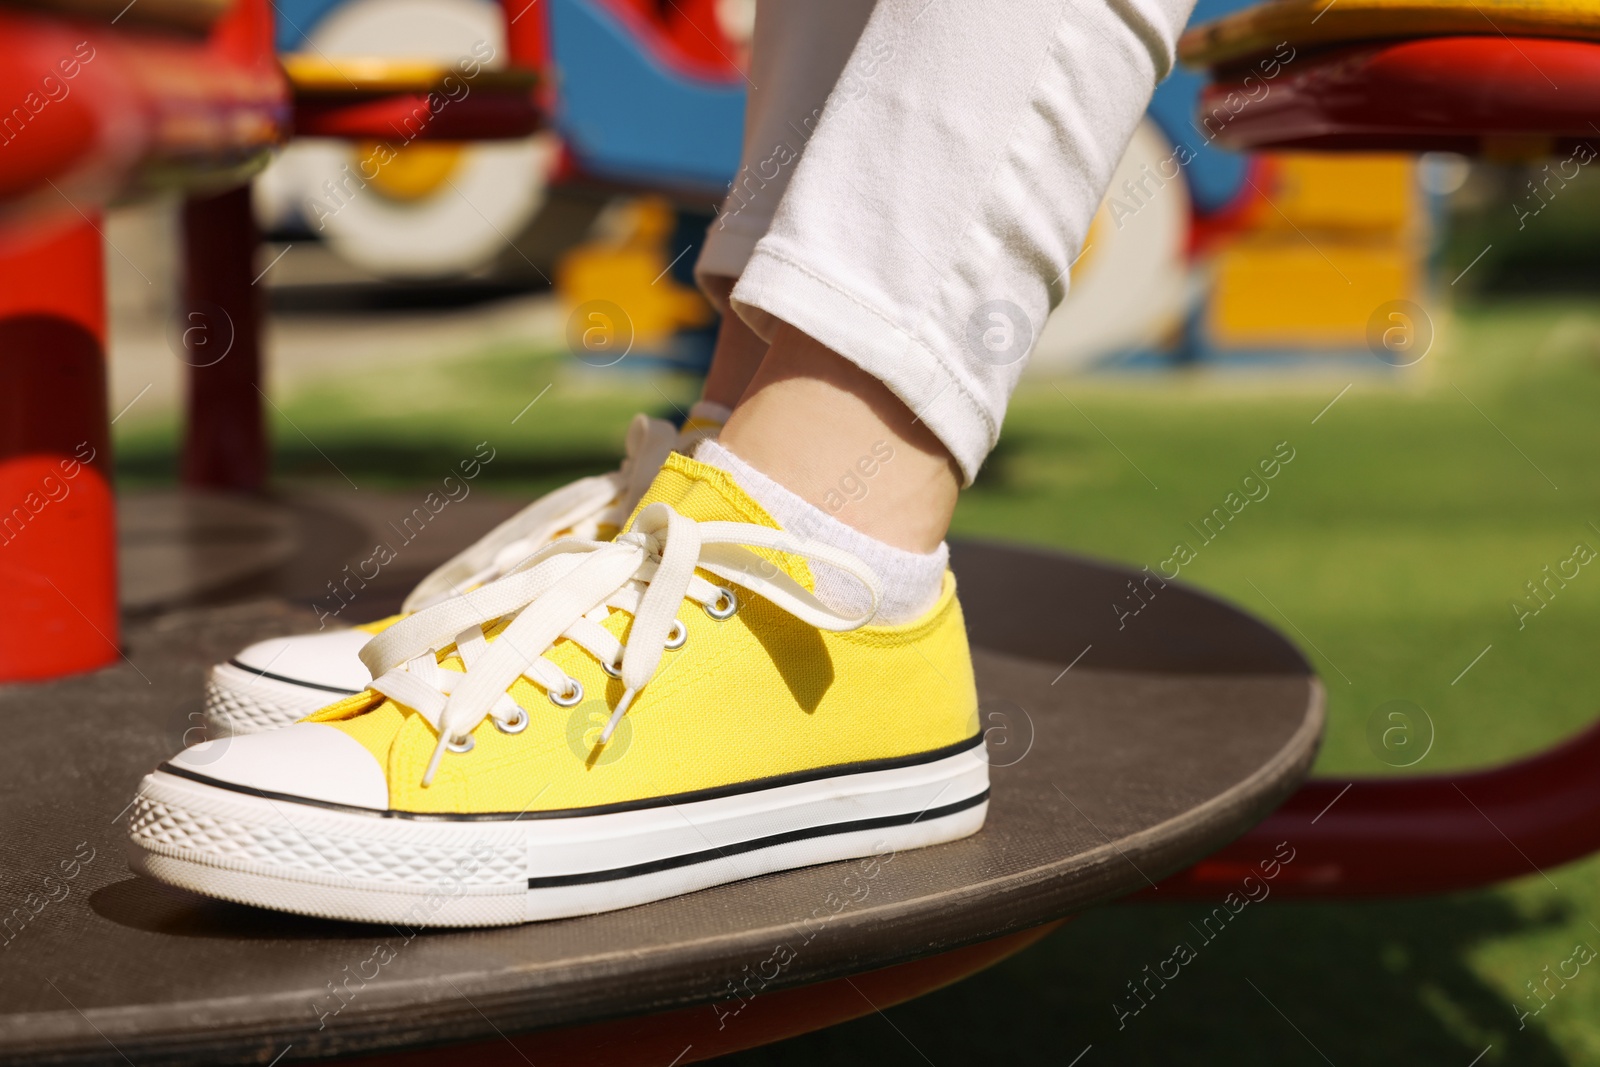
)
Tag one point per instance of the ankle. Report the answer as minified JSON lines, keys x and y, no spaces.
{"x":837,"y":438}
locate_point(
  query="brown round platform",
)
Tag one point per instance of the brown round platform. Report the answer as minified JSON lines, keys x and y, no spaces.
{"x":1177,"y":729}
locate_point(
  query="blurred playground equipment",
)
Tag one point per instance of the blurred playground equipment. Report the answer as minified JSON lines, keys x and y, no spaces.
{"x":640,"y":96}
{"x":1430,"y":75}
{"x":627,"y":266}
{"x":190,"y":96}
{"x":1197,"y":253}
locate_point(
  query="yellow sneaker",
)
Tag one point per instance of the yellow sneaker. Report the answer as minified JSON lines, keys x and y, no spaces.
{"x":276,"y":682}
{"x":606,"y":725}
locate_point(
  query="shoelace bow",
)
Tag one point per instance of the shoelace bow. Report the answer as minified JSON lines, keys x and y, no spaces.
{"x":568,"y":589}
{"x":581,"y":507}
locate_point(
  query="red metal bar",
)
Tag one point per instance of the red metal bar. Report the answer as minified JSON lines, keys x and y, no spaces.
{"x":1489,"y":94}
{"x":487,"y":114}
{"x":1417,"y":835}
{"x":219,"y":337}
{"x":692,"y":44}
{"x":58,"y":545}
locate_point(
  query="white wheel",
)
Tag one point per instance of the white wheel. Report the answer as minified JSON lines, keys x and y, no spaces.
{"x":414,"y":209}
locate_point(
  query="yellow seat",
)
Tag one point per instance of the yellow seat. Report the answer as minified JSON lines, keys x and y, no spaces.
{"x":321,"y":75}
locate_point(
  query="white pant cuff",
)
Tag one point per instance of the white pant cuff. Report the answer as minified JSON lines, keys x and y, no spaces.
{"x":730,"y":240}
{"x":774,"y":287}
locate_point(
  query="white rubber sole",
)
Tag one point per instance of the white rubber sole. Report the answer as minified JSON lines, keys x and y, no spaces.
{"x":349,"y":863}
{"x":242,"y":701}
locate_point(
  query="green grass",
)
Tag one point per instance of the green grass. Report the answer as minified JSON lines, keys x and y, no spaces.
{"x":1390,"y":549}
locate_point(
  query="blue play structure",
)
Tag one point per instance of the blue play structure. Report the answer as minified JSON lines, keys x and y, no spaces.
{"x":629,"y":115}
{"x":626,"y":115}
{"x":1215,"y":176}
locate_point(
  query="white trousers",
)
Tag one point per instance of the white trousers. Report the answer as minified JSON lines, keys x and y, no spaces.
{"x":919,"y":174}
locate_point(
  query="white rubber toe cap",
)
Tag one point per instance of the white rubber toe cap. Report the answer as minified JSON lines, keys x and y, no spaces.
{"x":330,"y":660}
{"x":310,"y":760}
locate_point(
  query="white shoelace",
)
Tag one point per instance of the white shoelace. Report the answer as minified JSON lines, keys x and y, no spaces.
{"x":569,"y":588}
{"x":581,"y":507}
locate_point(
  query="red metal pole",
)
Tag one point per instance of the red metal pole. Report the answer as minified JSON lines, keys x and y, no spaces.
{"x":528,"y":40}
{"x":219,"y":336}
{"x":58,"y":543}
{"x":1413,"y":835}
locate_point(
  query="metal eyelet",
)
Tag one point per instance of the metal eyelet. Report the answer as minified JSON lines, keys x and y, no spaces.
{"x":570,"y":698}
{"x":614,"y":669}
{"x":463,"y":745}
{"x":515,"y":725}
{"x":716,"y":608}
{"x":677,"y":636}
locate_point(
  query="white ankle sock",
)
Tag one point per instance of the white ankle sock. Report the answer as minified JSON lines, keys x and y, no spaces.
{"x":911,"y":581}
{"x":707,"y":413}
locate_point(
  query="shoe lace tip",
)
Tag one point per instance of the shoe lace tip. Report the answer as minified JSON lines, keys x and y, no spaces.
{"x":616,"y":716}
{"x":438,"y":754}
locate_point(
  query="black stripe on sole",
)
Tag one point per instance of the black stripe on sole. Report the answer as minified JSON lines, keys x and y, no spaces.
{"x":302,"y":683}
{"x":690,"y":858}
{"x":717,"y":792}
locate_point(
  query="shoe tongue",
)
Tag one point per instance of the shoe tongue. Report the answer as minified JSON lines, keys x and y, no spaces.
{"x":709,"y":494}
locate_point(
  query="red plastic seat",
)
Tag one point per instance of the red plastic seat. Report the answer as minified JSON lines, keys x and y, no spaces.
{"x":1502,"y":97}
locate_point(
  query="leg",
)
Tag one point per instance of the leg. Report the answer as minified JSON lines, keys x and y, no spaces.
{"x":926,"y":235}
{"x":805,"y":392}
{"x":798,"y":53}
{"x":737,"y":354}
